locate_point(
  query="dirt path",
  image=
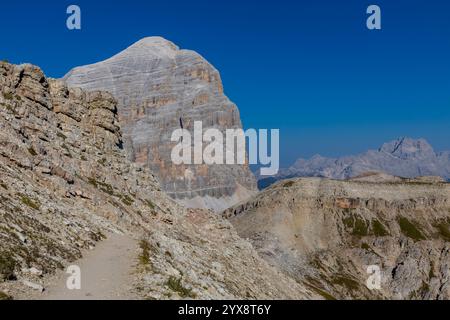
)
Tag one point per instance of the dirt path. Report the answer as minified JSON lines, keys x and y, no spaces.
{"x":105,"y":273}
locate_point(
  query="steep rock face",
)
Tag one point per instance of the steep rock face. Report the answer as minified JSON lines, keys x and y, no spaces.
{"x":65,"y":184}
{"x":161,"y":88}
{"x":325,"y":233}
{"x":404,"y":157}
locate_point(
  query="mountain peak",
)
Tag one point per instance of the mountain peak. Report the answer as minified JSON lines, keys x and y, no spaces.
{"x":406,"y":147}
{"x":148,"y":48}
{"x":153,"y":42}
{"x":157,"y":85}
{"x":404,"y":157}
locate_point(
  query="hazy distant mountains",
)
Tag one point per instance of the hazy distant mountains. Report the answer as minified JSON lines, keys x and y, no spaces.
{"x":404,"y":157}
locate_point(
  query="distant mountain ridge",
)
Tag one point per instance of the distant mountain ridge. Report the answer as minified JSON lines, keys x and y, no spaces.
{"x":404,"y":157}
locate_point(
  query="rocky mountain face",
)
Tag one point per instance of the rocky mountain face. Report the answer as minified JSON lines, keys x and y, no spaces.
{"x":161,"y":88}
{"x":326,"y":233}
{"x":66,"y":183}
{"x":404,"y":157}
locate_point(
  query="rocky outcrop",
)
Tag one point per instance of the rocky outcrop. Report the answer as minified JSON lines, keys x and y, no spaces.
{"x":65,"y":184}
{"x":404,"y":157}
{"x":161,"y":88}
{"x":326,"y":233}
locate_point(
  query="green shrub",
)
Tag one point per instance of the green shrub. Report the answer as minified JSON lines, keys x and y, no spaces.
{"x":175,"y":285}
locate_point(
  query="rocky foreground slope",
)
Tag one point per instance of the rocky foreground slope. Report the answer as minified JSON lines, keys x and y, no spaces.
{"x":404,"y":157}
{"x":159,"y":89}
{"x":325,"y":234}
{"x":66,"y":183}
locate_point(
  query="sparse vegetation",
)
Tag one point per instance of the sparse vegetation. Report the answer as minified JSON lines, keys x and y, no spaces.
{"x":288,"y":184}
{"x":30,"y":203}
{"x":150,"y":204}
{"x":7,"y":266}
{"x":431,"y":273}
{"x":409,"y":229}
{"x":358,"y":225}
{"x":4,"y":296}
{"x":32,"y":151}
{"x":144,"y":257}
{"x":347,"y":282}
{"x":102,"y":161}
{"x":8,"y":95}
{"x":323,"y":293}
{"x":105,"y":187}
{"x":444,"y":230}
{"x":175,"y":285}
{"x":378,"y":229}
{"x":126,"y":199}
{"x":315,"y":285}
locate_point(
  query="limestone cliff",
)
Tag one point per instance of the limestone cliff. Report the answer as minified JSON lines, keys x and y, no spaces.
{"x":161,"y":88}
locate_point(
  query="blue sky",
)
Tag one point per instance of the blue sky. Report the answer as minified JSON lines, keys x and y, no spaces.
{"x":310,"y":68}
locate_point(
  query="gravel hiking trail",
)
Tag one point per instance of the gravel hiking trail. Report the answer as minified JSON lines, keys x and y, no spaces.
{"x":106,"y":273}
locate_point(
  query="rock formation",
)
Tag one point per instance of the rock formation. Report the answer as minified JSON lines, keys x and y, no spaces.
{"x":161,"y":88}
{"x":65,"y":184}
{"x":326,"y":233}
{"x":404,"y":157}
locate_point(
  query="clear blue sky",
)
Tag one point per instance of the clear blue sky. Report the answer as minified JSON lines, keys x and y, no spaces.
{"x":310,"y":68}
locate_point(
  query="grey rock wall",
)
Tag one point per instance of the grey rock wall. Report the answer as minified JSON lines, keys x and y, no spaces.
{"x":160,"y":88}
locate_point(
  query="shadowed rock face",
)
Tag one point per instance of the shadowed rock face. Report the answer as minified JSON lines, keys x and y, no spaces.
{"x":161,"y":88}
{"x":325,"y":233}
{"x":404,"y":157}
